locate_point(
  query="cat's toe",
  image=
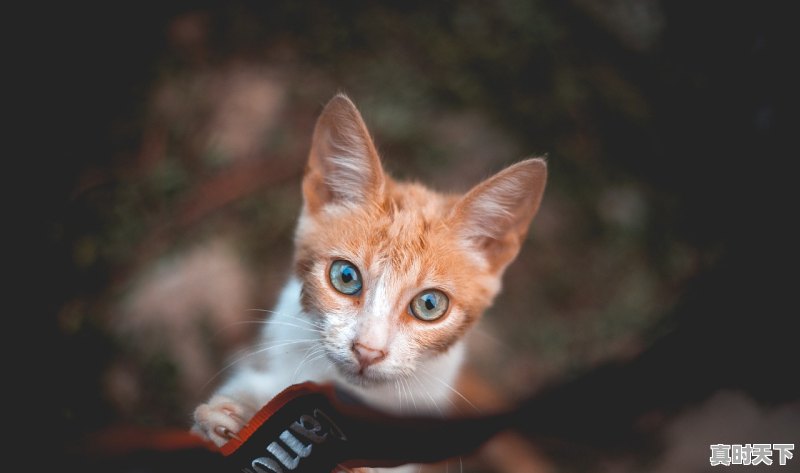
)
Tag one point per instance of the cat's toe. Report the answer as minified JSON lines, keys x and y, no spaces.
{"x":219,"y":420}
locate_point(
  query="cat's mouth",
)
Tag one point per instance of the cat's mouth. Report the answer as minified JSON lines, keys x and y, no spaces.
{"x":365,"y":377}
{"x":358,"y":375}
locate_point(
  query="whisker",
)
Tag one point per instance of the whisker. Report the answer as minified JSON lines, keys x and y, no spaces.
{"x":428,"y":393}
{"x":295,"y":317}
{"x":313,"y":323}
{"x":265,"y":322}
{"x":410,"y":393}
{"x":309,"y":351}
{"x":405,"y":391}
{"x":321,"y":356}
{"x":399,"y":393}
{"x":261,"y":348}
{"x":279,"y":343}
{"x":328,"y":368}
{"x":454,"y":390}
{"x":312,"y":354}
{"x":451,"y":405}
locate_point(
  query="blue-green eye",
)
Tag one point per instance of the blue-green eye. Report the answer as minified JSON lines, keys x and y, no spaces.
{"x":429,"y":304}
{"x":345,"y":277}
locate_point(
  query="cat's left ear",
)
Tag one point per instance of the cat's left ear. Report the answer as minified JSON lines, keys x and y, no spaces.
{"x":343,"y":165}
{"x":494,"y":216}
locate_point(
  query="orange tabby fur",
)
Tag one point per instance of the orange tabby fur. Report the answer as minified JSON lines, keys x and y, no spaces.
{"x":409,"y":231}
{"x":404,"y":239}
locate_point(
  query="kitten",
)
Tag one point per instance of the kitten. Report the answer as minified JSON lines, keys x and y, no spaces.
{"x":388,"y":278}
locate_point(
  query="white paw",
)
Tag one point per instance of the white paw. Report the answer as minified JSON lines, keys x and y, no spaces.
{"x":220,"y":419}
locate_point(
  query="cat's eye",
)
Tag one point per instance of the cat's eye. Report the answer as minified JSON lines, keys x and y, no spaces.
{"x":345,"y":277}
{"x":429,"y":305}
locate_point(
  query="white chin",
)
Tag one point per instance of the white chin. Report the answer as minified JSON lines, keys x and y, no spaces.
{"x":367,"y":377}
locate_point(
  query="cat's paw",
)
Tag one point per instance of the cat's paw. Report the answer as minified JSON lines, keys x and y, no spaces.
{"x":220,"y":419}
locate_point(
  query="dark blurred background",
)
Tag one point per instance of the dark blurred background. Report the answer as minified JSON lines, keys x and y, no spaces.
{"x":650,"y":313}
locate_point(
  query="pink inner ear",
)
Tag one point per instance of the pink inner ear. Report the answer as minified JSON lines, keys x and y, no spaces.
{"x":496,"y":214}
{"x":343,"y":165}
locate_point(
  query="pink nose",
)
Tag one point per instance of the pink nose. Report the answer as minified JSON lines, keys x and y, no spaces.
{"x":367,"y":356}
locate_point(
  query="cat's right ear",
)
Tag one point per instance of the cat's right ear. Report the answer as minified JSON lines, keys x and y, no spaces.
{"x":343,"y":165}
{"x":493,"y":217}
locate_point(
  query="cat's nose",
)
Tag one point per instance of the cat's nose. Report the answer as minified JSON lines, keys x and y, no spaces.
{"x":366,"y":355}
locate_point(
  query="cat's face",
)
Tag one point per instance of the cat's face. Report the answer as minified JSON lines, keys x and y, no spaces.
{"x":397,"y":273}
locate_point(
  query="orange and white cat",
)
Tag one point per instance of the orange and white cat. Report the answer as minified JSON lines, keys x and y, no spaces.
{"x":388,"y":278}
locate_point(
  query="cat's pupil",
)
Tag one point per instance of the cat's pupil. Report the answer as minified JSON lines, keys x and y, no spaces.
{"x":430,"y":302}
{"x":347,"y":275}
